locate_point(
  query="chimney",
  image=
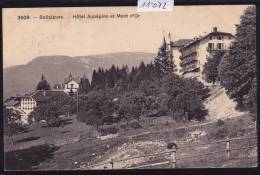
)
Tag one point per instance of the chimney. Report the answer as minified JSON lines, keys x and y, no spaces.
{"x":215,"y":29}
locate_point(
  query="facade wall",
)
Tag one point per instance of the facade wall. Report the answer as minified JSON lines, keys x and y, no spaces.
{"x":203,"y":53}
{"x":28,"y":104}
{"x":71,"y":85}
{"x":176,"y":59}
{"x":189,"y":57}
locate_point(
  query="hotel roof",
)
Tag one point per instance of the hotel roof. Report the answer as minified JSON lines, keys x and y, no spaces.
{"x":180,"y":42}
{"x":214,"y":33}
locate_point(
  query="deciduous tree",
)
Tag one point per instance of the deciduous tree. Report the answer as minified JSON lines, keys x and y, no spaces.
{"x":237,"y":70}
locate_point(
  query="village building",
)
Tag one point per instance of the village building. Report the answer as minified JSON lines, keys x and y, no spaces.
{"x":25,"y":104}
{"x":194,"y":54}
{"x":70,"y":85}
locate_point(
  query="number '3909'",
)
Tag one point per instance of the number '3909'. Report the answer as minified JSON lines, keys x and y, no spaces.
{"x":23,"y":17}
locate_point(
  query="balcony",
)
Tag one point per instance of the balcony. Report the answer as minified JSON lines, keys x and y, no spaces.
{"x":188,"y":60}
{"x":189,"y":67}
{"x":193,"y":53}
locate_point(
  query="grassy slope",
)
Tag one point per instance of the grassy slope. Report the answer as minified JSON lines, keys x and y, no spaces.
{"x":135,"y":142}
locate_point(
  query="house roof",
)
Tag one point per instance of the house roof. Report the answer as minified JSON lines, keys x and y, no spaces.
{"x":12,"y":102}
{"x":67,"y":80}
{"x":43,"y":95}
{"x":214,"y":33}
{"x":180,"y":42}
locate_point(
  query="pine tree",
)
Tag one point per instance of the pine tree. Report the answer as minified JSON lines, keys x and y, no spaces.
{"x":140,"y":75}
{"x":84,"y":85}
{"x":43,"y":84}
{"x":94,"y":79}
{"x":237,"y":70}
{"x":112,"y":76}
{"x":164,"y":60}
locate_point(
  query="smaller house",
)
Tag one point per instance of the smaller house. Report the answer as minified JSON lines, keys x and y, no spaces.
{"x":71,"y":84}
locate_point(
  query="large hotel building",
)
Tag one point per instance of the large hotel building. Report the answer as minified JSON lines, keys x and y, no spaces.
{"x":191,"y":55}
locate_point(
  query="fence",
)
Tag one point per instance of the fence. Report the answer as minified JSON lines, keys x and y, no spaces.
{"x":175,"y":158}
{"x":93,"y":133}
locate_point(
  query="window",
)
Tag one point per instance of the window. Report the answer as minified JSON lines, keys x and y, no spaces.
{"x":210,"y":37}
{"x":229,"y":37}
{"x":210,"y":46}
{"x":220,"y":46}
{"x":219,"y":38}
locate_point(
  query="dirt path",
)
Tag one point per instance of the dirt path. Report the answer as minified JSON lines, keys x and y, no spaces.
{"x":219,"y":105}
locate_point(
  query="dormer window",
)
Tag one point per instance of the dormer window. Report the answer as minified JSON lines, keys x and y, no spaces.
{"x":219,"y":38}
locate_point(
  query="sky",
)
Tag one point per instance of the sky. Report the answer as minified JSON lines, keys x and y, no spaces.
{"x":23,"y":40}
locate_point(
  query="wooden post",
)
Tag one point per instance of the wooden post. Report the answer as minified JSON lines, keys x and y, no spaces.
{"x":112,"y":164}
{"x":173,"y":147}
{"x":228,"y":147}
{"x":174,"y":157}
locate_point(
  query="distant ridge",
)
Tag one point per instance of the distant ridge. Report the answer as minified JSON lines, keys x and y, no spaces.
{"x":24,"y":78}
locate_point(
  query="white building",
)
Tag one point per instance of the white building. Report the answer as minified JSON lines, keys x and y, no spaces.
{"x":176,"y":46}
{"x":194,"y":54}
{"x":25,"y":104}
{"x":70,"y":85}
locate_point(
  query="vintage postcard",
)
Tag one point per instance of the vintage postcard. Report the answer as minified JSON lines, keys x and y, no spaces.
{"x":113,"y":88}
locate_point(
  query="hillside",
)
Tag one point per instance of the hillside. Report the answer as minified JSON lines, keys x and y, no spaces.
{"x":219,"y":105}
{"x":73,"y":147}
{"x":24,"y":78}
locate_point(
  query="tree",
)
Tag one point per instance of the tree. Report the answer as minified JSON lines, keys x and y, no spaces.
{"x":237,"y":69}
{"x":94,"y":79}
{"x":43,"y":84}
{"x":84,"y":85}
{"x":12,"y":123}
{"x":210,"y":70}
{"x":131,"y":105}
{"x":112,"y":76}
{"x":52,"y":108}
{"x":139,"y":76}
{"x":164,"y":60}
{"x":95,"y":106}
{"x":184,"y":98}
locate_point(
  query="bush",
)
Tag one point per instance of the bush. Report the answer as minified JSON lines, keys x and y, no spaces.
{"x":220,"y":132}
{"x":179,"y":133}
{"x":135,"y":125}
{"x":110,"y":130}
{"x":220,"y":122}
{"x":123,"y":126}
{"x":54,"y":122}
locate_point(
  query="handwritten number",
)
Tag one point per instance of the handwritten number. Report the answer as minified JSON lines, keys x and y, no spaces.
{"x":164,"y":5}
{"x":158,"y":4}
{"x":143,"y":4}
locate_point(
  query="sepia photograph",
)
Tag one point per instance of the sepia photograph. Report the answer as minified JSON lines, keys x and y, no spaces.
{"x":102,"y":88}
